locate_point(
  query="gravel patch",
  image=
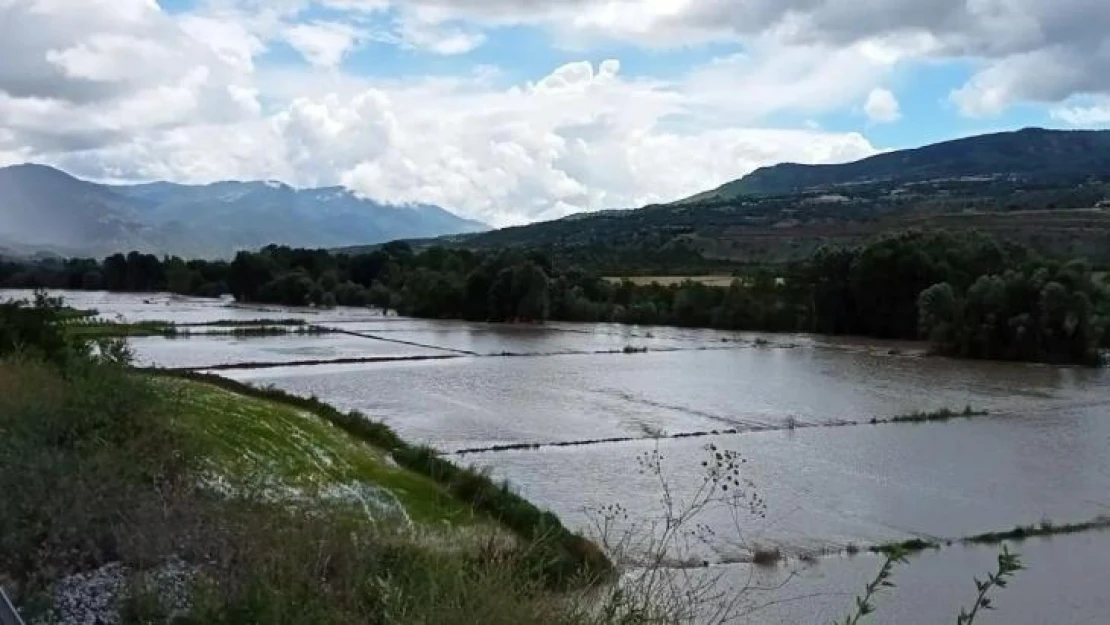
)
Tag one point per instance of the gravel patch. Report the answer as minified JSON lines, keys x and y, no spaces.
{"x":95,"y":597}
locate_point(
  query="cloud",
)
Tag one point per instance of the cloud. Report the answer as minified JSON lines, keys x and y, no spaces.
{"x":881,"y":106}
{"x":565,"y":143}
{"x":1095,"y":114}
{"x":122,"y":90}
{"x":322,"y":43}
{"x":443,"y":39}
{"x":1024,"y":50}
{"x":79,"y":75}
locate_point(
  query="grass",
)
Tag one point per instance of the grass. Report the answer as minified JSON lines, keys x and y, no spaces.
{"x":1019,"y":532}
{"x":912,"y":545}
{"x":85,"y":329}
{"x":254,"y":331}
{"x":67,"y":313}
{"x":766,"y":556}
{"x":254,"y":441}
{"x":109,"y":329}
{"x":106,"y":465}
{"x":1045,"y":528}
{"x":944,"y":414}
{"x":566,"y":555}
{"x":291,"y":321}
{"x":715,"y":281}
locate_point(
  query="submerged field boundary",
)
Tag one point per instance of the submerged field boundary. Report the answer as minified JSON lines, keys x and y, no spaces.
{"x":773,"y":556}
{"x":922,"y":417}
{"x":356,"y":360}
{"x":367,"y":335}
{"x":304,"y":363}
{"x":1017,"y":533}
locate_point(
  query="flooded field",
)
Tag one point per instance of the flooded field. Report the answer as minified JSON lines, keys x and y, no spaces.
{"x":796,"y":409}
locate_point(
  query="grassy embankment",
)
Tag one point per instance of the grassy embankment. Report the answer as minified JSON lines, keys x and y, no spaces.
{"x":283,"y":511}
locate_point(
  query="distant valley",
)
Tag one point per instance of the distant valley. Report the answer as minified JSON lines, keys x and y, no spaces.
{"x":43,"y":209}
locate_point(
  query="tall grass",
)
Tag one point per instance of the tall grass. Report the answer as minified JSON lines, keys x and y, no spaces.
{"x":98,"y":469}
{"x":566,"y":556}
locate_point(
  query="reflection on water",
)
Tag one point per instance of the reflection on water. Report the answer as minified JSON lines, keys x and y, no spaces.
{"x":1040,"y":454}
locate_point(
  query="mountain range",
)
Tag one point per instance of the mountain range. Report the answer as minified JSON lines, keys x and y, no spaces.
{"x":43,"y":209}
{"x":1049,"y":189}
{"x":1033,"y":155}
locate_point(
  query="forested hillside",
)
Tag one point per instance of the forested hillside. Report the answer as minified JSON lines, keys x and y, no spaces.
{"x":1048,"y":190}
{"x":1032,"y":155}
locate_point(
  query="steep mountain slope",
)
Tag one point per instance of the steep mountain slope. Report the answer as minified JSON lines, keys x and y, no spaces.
{"x":43,"y":208}
{"x":1032,"y":155}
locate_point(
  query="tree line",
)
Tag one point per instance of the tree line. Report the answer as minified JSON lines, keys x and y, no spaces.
{"x":969,"y":294}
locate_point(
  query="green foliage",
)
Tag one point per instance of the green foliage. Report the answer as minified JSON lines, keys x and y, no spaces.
{"x":99,"y":469}
{"x":34,"y":327}
{"x":1047,"y":312}
{"x":87,"y":461}
{"x":970,"y":295}
{"x":866,"y":604}
{"x":1008,"y":566}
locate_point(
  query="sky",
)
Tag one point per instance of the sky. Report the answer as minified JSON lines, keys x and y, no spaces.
{"x":511,"y":111}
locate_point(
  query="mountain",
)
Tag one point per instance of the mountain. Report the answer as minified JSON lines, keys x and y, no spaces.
{"x":1043,"y":188}
{"x":42,"y":208}
{"x":1033,"y":155}
{"x":40,"y":205}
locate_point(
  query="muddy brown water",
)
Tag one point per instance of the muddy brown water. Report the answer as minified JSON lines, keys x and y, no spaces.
{"x":1042,"y":452}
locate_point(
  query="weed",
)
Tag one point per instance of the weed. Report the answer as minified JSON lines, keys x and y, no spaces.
{"x":766,"y":556}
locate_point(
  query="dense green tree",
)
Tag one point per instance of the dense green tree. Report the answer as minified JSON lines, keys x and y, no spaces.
{"x":968,"y":294}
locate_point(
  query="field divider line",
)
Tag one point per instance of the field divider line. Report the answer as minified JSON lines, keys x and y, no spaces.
{"x":305,"y":363}
{"x":939,"y":416}
{"x":401,"y":342}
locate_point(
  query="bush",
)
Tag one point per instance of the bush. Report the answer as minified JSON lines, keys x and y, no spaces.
{"x":88,"y":459}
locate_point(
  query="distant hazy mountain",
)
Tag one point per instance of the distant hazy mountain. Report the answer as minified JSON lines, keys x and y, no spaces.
{"x":1034,"y":155}
{"x":42,"y":208}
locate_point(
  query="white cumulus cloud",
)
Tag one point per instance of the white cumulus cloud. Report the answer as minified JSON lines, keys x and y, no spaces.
{"x":881,"y":106}
{"x":1096,"y":114}
{"x":323,"y":44}
{"x":122,"y":90}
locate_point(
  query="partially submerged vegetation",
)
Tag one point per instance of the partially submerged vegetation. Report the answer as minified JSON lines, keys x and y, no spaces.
{"x":98,"y":328}
{"x":944,"y":414}
{"x":276,"y":509}
{"x":1017,"y":533}
{"x":789,"y":424}
{"x":312,"y":362}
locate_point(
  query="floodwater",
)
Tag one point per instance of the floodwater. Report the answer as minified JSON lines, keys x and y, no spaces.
{"x":796,"y":408}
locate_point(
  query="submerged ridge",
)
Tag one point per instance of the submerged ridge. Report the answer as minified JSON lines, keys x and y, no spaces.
{"x":940,"y":415}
